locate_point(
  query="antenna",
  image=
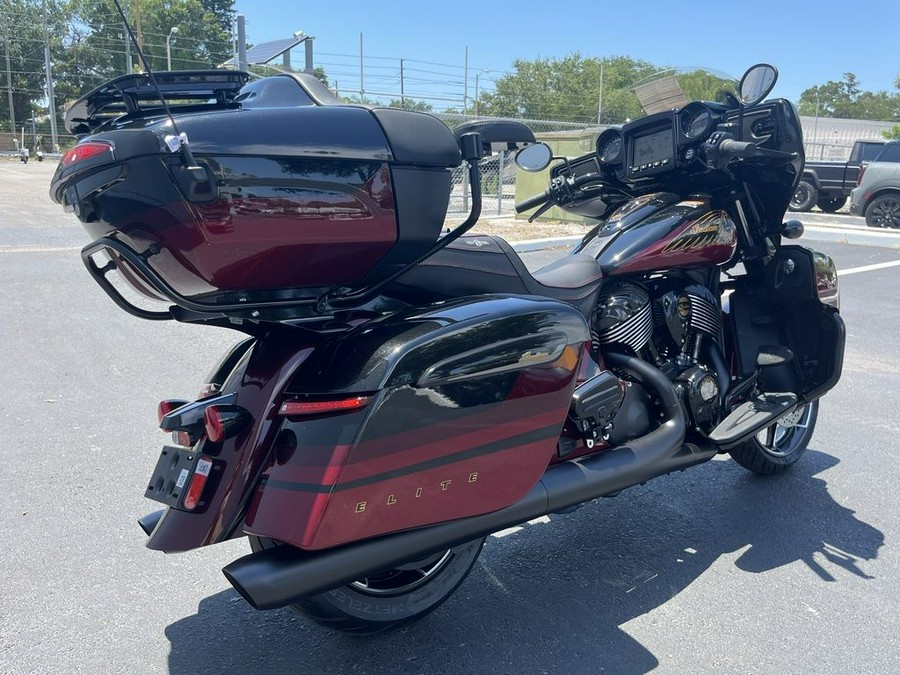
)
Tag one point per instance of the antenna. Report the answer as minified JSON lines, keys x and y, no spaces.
{"x":190,"y":164}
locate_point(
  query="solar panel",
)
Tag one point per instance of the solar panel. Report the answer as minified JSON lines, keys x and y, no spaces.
{"x":265,"y":52}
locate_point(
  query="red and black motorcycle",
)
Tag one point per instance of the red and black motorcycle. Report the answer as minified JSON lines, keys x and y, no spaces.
{"x":401,"y":393}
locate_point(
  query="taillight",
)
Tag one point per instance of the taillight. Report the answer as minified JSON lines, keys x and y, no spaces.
{"x":292,"y":408}
{"x":224,"y":421}
{"x":167,"y":406}
{"x":862,"y":170}
{"x":84,"y":151}
{"x":198,"y":482}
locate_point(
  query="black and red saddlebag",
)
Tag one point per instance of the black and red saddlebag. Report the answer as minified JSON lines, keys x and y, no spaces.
{"x":424,"y":416}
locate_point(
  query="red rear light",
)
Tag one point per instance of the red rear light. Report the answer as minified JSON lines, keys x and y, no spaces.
{"x":84,"y":151}
{"x":212,"y":420}
{"x":167,"y":406}
{"x":862,"y":170}
{"x":223,"y":421}
{"x":198,"y":482}
{"x":291,"y":408}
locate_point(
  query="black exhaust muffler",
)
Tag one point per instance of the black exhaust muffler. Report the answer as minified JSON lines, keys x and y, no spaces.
{"x":275,"y":577}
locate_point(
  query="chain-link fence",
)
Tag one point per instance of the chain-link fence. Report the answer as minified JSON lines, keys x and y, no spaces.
{"x":831,"y":140}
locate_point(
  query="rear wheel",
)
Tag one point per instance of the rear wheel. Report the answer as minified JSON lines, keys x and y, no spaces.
{"x":831,"y":204}
{"x":884,"y":211}
{"x":389,"y":599}
{"x":805,"y":197}
{"x":777,"y":447}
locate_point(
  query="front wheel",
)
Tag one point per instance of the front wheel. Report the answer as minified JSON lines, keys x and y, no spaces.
{"x":389,"y":599}
{"x":805,"y":197}
{"x":776,"y":448}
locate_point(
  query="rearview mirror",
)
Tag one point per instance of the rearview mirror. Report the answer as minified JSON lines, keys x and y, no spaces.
{"x":756,"y":83}
{"x":534,"y":158}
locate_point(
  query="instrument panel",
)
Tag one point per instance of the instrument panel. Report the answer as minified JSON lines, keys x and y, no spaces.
{"x":657,"y":143}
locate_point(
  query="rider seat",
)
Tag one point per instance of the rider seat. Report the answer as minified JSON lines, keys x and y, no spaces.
{"x":479,"y":264}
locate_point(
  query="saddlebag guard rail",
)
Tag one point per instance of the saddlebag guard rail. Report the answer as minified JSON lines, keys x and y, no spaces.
{"x":139,"y":262}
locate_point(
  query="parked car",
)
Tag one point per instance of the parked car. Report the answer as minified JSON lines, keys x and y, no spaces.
{"x":877,"y":197}
{"x":828,"y":184}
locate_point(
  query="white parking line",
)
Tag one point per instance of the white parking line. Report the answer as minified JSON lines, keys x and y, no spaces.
{"x":868,"y":268}
{"x":39,"y":249}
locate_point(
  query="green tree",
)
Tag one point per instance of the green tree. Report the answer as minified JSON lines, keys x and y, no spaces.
{"x":411,"y":104}
{"x":845,"y":99}
{"x":568,"y":89}
{"x":22,"y":31}
{"x":892,"y":134}
{"x":96,"y":47}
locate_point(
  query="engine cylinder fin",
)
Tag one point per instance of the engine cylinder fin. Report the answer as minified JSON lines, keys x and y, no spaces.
{"x":633,"y":332}
{"x":705,"y":316}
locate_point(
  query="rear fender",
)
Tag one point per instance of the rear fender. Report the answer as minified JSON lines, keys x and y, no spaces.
{"x":257,"y":371}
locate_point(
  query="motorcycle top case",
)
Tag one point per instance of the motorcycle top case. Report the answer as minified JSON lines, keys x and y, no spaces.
{"x":465,"y":404}
{"x":298,"y":196}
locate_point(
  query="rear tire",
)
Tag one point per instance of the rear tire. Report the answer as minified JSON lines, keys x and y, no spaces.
{"x":884,"y":211}
{"x":779,"y":446}
{"x":830,"y":204}
{"x":805,"y":197}
{"x":390,"y":599}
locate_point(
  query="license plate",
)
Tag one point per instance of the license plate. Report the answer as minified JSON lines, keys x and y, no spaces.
{"x":172,"y":474}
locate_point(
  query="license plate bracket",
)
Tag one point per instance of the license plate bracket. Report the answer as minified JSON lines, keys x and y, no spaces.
{"x":171,"y":477}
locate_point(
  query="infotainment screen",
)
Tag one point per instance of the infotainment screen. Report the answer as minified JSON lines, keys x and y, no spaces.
{"x":652,"y":147}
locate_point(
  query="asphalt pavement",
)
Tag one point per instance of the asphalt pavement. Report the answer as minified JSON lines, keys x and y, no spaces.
{"x":712,"y":570}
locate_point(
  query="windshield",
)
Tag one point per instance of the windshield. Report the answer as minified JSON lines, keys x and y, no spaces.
{"x":676,"y":87}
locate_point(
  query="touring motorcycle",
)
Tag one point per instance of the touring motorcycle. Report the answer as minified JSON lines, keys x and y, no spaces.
{"x":402,"y":391}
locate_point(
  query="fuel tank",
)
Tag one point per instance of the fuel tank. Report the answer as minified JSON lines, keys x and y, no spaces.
{"x":661,"y":231}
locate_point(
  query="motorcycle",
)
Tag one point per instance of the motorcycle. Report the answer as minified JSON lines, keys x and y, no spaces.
{"x":402,"y":392}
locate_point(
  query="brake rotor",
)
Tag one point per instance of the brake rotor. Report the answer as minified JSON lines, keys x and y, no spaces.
{"x":791,"y":419}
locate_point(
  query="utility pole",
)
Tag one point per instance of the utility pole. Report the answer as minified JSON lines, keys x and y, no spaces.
{"x":12,"y":110}
{"x":466,"y":86}
{"x":137,"y":23}
{"x":600,"y":97}
{"x":51,"y":99}
{"x":402,"y":94}
{"x":242,"y":42}
{"x":362,"y":84}
{"x":127,"y":54}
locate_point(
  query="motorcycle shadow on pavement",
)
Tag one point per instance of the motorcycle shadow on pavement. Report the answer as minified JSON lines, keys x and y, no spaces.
{"x":552,"y":597}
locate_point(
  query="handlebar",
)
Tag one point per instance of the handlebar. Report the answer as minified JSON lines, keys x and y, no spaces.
{"x":532,"y":202}
{"x":729,"y":149}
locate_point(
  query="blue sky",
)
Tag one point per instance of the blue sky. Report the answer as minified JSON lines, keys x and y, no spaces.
{"x":809,"y":41}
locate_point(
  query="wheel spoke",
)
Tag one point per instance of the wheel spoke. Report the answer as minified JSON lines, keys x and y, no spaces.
{"x":770,"y":436}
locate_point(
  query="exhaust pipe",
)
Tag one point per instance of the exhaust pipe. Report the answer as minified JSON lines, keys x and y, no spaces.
{"x":276,"y":577}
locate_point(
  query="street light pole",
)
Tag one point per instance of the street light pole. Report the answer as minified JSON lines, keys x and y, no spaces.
{"x":51,"y":106}
{"x":9,"y":87}
{"x":172,"y":32}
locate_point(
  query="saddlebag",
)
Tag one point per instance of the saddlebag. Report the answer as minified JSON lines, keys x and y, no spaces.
{"x":461,"y":405}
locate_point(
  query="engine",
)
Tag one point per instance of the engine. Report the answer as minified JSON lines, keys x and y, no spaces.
{"x":674,"y":326}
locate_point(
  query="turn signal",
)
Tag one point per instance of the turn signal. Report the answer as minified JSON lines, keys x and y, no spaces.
{"x":167,"y":406}
{"x":292,"y":408}
{"x":224,"y":421}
